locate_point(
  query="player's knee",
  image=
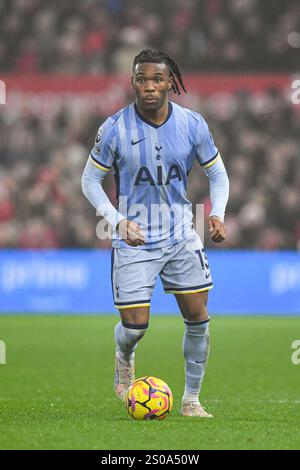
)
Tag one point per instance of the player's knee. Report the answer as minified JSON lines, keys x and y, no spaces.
{"x":198,"y":314}
{"x":135,"y":316}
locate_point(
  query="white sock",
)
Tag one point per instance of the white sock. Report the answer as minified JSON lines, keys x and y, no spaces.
{"x":195,"y":350}
{"x":127,"y":336}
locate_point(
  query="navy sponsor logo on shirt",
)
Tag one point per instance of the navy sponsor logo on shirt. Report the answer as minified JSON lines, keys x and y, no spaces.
{"x":145,"y":176}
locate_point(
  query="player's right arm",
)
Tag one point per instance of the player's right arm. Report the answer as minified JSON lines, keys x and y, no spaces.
{"x":98,"y":165}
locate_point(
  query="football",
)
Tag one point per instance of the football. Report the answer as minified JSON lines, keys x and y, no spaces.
{"x":149,"y":398}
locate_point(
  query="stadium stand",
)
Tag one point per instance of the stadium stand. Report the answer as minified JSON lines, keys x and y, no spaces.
{"x":96,"y":36}
{"x":43,"y":154}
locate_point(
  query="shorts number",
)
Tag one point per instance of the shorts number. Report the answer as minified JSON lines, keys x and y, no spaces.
{"x":203,"y":258}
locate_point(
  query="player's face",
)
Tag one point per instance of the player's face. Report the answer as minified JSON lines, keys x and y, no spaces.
{"x":151,"y":83}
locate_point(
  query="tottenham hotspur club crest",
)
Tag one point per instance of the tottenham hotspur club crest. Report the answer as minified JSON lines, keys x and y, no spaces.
{"x":157,"y":148}
{"x":117,"y":289}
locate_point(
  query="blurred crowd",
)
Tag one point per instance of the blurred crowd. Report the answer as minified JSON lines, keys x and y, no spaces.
{"x":99,"y":36}
{"x":258,"y":134}
{"x":42,"y":158}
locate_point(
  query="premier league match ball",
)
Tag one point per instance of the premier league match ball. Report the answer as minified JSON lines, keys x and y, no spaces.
{"x":149,"y":398}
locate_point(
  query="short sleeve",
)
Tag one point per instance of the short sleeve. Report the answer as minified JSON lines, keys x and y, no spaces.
{"x":103,"y":152}
{"x":206,"y":151}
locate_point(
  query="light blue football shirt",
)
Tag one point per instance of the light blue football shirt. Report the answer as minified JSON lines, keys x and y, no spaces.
{"x":151,"y":165}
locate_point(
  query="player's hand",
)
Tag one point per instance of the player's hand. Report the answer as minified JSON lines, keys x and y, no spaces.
{"x":216,"y":229}
{"x":130,"y":232}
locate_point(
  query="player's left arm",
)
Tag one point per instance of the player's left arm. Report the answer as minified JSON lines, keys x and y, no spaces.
{"x":219,"y":193}
{"x":210,"y":159}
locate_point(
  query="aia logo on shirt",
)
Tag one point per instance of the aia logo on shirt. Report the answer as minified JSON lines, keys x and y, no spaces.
{"x":144,"y":176}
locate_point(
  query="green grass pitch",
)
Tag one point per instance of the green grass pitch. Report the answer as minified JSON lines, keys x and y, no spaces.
{"x":56,"y":388}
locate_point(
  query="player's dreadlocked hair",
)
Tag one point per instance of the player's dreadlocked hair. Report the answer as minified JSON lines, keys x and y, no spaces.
{"x":158,"y":57}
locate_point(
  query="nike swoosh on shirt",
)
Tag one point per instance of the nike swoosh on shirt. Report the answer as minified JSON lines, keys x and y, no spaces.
{"x":137,"y":141}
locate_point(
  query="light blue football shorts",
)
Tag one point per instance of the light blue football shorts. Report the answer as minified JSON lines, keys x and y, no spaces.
{"x":182,"y":267}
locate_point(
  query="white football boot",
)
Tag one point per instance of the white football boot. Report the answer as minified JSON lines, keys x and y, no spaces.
{"x":124,"y":376}
{"x":194,"y":409}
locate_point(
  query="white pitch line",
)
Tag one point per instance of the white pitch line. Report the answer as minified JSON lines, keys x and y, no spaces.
{"x":286,"y":401}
